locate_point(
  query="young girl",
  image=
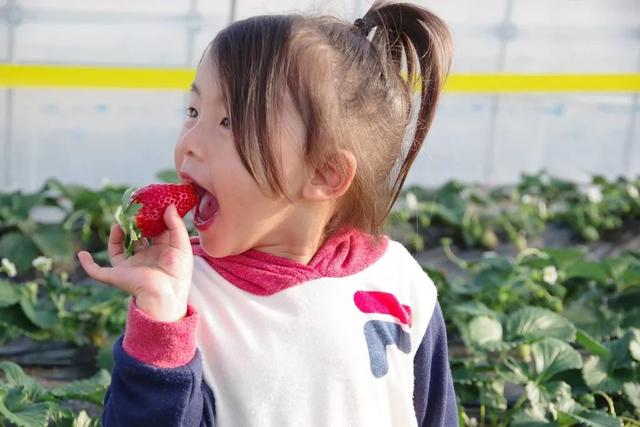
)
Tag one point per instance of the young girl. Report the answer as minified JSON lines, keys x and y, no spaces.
{"x":290,"y":308}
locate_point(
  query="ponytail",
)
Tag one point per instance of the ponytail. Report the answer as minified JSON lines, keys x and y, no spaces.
{"x":404,"y":30}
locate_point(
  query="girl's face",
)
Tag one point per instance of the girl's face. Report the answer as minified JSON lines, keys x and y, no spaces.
{"x":246,"y":218}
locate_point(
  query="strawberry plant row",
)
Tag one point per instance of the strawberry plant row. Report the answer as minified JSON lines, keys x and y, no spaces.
{"x":546,"y":336}
{"x":477,"y":216}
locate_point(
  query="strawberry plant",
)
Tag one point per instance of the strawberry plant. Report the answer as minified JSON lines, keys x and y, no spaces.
{"x":26,"y":403}
{"x":474,"y":216}
{"x":602,"y":206}
{"x":573,"y":358}
{"x":49,"y":307}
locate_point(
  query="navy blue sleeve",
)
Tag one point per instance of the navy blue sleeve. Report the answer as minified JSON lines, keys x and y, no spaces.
{"x":434,"y":397}
{"x":145,"y":395}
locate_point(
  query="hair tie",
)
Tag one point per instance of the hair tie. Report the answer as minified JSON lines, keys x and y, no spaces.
{"x":362,"y":26}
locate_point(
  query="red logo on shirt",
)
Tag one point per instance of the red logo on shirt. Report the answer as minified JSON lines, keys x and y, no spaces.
{"x":383,"y":303}
{"x":379,"y":333}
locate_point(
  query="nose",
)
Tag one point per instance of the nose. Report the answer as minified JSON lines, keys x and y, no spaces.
{"x":187,"y":144}
{"x":187,"y":148}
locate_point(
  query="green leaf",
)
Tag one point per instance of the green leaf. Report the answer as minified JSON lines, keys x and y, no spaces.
{"x":14,"y":318}
{"x":126,"y":196}
{"x":551,"y":356}
{"x":20,"y":204}
{"x":631,"y":278}
{"x":538,"y":322}
{"x":588,"y":313}
{"x":565,"y":421}
{"x":9,"y":293}
{"x":599,"y":374}
{"x":621,"y":347}
{"x":15,"y":376}
{"x":19,"y":248}
{"x":526,"y":418}
{"x":89,"y":389}
{"x":43,"y":315}
{"x":632,"y":392}
{"x":54,"y":242}
{"x":474,"y":308}
{"x":484,"y":330}
{"x":587,"y":270}
{"x":594,"y":419}
{"x":33,"y":415}
{"x":591,"y":344}
{"x":563,"y":257}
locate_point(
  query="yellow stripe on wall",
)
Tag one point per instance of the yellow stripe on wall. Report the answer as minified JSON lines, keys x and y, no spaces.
{"x":543,"y":83}
{"x":42,"y":76}
{"x":49,"y":76}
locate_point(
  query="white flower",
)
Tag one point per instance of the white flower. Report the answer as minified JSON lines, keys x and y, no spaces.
{"x":473,"y":422}
{"x":411,"y":202}
{"x":594,"y":194}
{"x":8,"y":267}
{"x":527,"y":199}
{"x":550,"y":274}
{"x":43,"y":264}
{"x":632,"y":190}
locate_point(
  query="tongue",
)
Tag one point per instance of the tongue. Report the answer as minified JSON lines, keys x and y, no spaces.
{"x":207,"y":207}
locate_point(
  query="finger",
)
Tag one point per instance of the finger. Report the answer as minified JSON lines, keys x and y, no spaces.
{"x":115,"y":246}
{"x":107,"y":275}
{"x":178,"y":234}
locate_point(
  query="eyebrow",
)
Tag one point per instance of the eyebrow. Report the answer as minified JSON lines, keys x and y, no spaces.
{"x":195,"y":89}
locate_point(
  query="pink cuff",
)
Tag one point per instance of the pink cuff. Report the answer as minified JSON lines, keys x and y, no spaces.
{"x":162,"y":344}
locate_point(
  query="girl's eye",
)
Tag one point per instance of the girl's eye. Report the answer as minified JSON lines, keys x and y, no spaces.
{"x":192,"y":112}
{"x":225,"y":122}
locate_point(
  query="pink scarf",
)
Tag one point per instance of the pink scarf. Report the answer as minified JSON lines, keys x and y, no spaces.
{"x":261,"y":273}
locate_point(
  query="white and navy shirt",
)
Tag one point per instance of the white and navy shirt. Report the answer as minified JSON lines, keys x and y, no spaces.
{"x":354,"y":338}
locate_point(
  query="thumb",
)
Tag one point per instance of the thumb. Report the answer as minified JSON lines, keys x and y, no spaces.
{"x":178,"y":234}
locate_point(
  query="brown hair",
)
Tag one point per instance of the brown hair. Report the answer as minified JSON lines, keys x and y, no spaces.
{"x":349,"y":88}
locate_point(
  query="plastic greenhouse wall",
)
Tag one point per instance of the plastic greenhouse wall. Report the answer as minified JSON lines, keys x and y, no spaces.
{"x":87,"y":136}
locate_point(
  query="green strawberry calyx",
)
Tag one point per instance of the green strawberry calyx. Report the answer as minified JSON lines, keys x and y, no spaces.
{"x":125,"y":216}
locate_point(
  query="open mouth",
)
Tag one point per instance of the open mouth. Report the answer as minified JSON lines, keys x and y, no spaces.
{"x":206,"y":208}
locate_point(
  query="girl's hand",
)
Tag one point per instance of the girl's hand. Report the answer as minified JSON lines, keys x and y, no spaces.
{"x":158,"y":276}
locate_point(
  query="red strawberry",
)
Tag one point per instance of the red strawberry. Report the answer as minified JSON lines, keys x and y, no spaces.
{"x":142,"y":211}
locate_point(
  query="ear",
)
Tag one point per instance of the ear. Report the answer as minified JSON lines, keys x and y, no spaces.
{"x":329,"y":182}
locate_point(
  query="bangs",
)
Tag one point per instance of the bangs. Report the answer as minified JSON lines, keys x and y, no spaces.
{"x":251,"y":57}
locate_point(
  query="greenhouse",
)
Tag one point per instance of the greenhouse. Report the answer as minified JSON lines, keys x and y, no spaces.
{"x":384,"y":213}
